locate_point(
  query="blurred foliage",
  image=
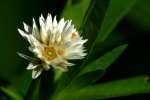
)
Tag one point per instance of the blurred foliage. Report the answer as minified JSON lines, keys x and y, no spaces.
{"x":111,"y":89}
{"x":139,"y":15}
{"x":101,"y":21}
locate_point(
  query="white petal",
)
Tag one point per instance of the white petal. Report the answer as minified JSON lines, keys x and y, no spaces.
{"x":26,"y":57}
{"x":78,"y":43}
{"x":54,"y":22}
{"x":33,"y":41}
{"x":36,"y":73}
{"x":61,"y":64}
{"x":42,"y":18}
{"x":68,"y":64}
{"x":58,"y":35}
{"x":70,"y":30}
{"x":35,"y":30}
{"x":62,"y":68}
{"x":44,"y":35}
{"x":74,"y":53}
{"x":67,"y":25}
{"x":61,"y":25}
{"x":31,"y":66}
{"x":37,"y":50}
{"x":74,"y":56}
{"x":59,"y":38}
{"x":26,"y":27}
{"x":23,"y":34}
{"x":49,"y":23}
{"x":46,"y":66}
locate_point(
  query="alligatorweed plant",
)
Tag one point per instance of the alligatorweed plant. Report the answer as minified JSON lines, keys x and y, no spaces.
{"x":97,"y":20}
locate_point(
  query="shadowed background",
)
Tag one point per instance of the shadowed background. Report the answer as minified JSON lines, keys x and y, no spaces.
{"x":134,"y":28}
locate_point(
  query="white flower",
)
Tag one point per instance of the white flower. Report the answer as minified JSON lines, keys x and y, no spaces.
{"x":54,"y":44}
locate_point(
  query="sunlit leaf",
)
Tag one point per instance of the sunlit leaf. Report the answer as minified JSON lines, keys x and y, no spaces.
{"x":117,"y":88}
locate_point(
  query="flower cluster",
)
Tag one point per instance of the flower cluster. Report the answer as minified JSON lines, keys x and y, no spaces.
{"x":54,"y":43}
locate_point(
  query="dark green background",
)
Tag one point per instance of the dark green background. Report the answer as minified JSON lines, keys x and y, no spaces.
{"x":135,"y":28}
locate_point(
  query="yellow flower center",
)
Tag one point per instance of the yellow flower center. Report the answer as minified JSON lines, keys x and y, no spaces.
{"x":49,"y":53}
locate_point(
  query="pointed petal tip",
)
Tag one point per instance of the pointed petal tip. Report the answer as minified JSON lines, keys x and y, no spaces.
{"x":26,"y":27}
{"x":62,"y":69}
{"x":85,"y":40}
{"x":22,"y":33}
{"x":23,"y":22}
{"x":19,"y":54}
{"x":36,"y":73}
{"x":19,"y":30}
{"x":42,"y":17}
{"x":33,"y":19}
{"x":31,"y":66}
{"x":49,"y":14}
{"x":46,"y":67}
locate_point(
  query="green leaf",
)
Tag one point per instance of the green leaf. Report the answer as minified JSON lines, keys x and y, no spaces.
{"x":117,"y":88}
{"x":69,"y":13}
{"x":91,"y":73}
{"x":11,"y":94}
{"x":76,"y":11}
{"x":117,"y":9}
{"x":78,"y":83}
{"x":33,"y":90}
{"x":105,"y":61}
{"x":92,"y":20}
{"x":84,"y":80}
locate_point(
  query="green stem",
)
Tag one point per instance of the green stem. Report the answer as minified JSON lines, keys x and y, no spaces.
{"x":31,"y":89}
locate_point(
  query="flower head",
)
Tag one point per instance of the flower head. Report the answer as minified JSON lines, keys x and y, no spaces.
{"x":54,"y":43}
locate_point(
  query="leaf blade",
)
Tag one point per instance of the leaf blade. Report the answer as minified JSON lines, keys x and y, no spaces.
{"x":11,"y":94}
{"x":117,"y":88}
{"x":103,"y":62}
{"x":113,"y":15}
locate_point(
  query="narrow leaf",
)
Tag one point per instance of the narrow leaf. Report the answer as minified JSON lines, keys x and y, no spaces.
{"x":85,"y":80}
{"x":11,"y":94}
{"x":105,"y":61}
{"x":117,"y":9}
{"x":96,"y":69}
{"x":92,"y":72}
{"x":33,"y":90}
{"x":117,"y":88}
